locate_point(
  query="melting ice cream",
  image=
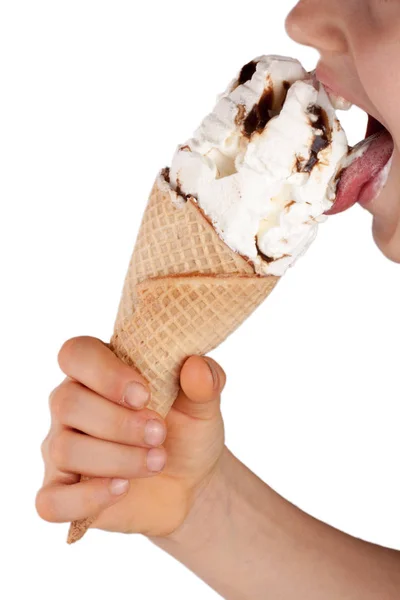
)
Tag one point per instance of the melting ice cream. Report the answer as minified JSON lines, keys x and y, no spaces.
{"x":262,"y":165}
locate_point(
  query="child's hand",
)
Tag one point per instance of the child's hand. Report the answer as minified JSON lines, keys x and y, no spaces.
{"x":96,"y":432}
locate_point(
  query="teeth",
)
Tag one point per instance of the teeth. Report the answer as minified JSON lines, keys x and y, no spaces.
{"x":338,"y":102}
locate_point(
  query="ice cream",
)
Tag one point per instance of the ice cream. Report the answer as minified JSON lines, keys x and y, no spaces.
{"x":240,"y":203}
{"x":262,"y":165}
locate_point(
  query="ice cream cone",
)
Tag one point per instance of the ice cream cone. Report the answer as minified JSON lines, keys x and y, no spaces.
{"x":184,"y":293}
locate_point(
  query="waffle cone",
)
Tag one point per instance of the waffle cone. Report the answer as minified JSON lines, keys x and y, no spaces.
{"x":184,"y":293}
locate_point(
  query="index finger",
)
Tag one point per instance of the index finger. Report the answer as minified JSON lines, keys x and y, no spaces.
{"x":89,"y":361}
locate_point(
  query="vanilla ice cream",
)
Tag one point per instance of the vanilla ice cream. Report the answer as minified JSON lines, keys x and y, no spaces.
{"x":262,"y":165}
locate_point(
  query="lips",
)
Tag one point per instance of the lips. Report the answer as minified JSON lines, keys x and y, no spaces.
{"x":366,"y":168}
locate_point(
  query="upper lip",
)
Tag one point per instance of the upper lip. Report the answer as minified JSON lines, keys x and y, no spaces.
{"x":328,"y":79}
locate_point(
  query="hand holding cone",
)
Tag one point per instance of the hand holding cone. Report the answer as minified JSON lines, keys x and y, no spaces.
{"x":184,"y":293}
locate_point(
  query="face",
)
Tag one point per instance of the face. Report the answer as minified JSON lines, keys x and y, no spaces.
{"x":359,"y":44}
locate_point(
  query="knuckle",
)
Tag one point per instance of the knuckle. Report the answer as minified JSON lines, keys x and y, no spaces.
{"x":66,"y":352}
{"x":44,"y":448}
{"x":53,"y":393}
{"x":125,"y":426}
{"x":95,"y":498}
{"x":135,"y":463}
{"x":58,"y":449}
{"x":63,"y":400}
{"x":69,"y":350}
{"x":46,"y":506}
{"x":128,"y":463}
{"x":56,"y":402}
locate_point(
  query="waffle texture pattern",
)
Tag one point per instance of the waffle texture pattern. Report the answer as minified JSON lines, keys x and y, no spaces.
{"x":185,"y":291}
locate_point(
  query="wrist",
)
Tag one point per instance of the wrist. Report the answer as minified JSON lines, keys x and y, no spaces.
{"x":246,"y":541}
{"x":233,"y":498}
{"x":209,"y":503}
{"x":226,"y":536}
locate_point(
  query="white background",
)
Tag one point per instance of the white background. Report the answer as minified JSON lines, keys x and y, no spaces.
{"x":95,"y":96}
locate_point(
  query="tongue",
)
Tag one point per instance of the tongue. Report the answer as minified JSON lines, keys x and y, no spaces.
{"x":359,"y":181}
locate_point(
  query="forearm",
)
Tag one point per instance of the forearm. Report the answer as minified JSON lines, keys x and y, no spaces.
{"x":245,"y":541}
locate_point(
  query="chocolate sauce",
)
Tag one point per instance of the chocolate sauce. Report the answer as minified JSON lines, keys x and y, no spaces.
{"x":166,"y":174}
{"x":179,"y":191}
{"x":287,"y":206}
{"x":178,"y":188}
{"x":322,"y":121}
{"x":240,"y":114}
{"x":299,"y":162}
{"x":338,"y":177}
{"x":286,"y":86}
{"x":321,"y":141}
{"x":247,"y":72}
{"x":267,"y":259}
{"x":259,"y":115}
{"x":318,"y":144}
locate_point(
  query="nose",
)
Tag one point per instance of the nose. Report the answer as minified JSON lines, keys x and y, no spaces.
{"x":318,"y":23}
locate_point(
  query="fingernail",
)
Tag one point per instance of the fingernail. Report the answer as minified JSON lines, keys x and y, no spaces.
{"x":156,"y":459}
{"x":119,"y":486}
{"x":136,"y":395}
{"x":214,"y":373}
{"x":154,"y":433}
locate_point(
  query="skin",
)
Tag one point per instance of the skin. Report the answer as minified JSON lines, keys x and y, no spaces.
{"x":205,"y":507}
{"x":92,"y":400}
{"x":358,"y":41}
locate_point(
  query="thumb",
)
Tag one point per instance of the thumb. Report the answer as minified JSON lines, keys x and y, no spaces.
{"x":202,"y":381}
